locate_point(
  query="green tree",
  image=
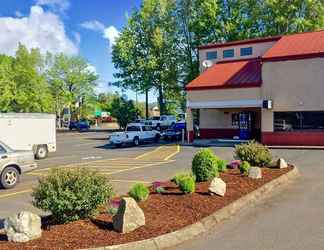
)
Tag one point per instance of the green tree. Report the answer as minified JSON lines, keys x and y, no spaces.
{"x":124,"y":111}
{"x":22,"y":84}
{"x":71,"y":83}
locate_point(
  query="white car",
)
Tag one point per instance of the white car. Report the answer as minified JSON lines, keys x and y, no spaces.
{"x":135,"y":133}
{"x":161,"y":122}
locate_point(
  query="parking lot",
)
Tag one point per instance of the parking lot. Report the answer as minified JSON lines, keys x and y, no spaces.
{"x":124,"y":166}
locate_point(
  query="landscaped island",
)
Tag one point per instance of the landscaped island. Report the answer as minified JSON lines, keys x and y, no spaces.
{"x":170,"y":205}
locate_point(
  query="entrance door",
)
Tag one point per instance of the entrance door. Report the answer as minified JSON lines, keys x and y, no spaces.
{"x":246,"y":125}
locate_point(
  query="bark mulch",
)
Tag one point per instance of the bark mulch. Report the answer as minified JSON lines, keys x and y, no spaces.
{"x":164,"y":213}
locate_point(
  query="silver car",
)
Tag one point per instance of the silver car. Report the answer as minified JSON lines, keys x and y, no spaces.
{"x":13,"y":163}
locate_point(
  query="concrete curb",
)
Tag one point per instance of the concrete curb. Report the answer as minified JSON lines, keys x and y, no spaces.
{"x":191,"y":231}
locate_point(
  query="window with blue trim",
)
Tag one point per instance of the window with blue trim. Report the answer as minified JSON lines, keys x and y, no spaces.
{"x":211,"y":55}
{"x":246,"y":51}
{"x":228,"y":53}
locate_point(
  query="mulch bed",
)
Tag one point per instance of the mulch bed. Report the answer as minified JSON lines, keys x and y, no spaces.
{"x":164,"y":213}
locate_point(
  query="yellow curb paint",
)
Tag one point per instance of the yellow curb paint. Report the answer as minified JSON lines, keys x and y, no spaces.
{"x":131,"y":181}
{"x":16,"y":193}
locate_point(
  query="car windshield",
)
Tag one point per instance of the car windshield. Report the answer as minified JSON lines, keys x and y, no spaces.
{"x":155,"y":118}
{"x":6,"y":146}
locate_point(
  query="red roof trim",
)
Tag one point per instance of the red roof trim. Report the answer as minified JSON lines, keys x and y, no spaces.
{"x":238,"y":86}
{"x":241,"y":42}
{"x":293,"y":57}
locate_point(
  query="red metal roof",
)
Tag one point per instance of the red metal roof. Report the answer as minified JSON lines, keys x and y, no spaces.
{"x":235,"y":74}
{"x":308,"y":44}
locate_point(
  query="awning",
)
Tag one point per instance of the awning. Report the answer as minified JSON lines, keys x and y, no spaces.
{"x":246,"y":103}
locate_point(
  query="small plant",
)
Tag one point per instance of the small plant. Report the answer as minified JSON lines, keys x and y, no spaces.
{"x":222,"y":166}
{"x":139,"y":192}
{"x":160,"y":190}
{"x":113,"y":207}
{"x":112,"y":211}
{"x":177,"y":177}
{"x":187,"y":184}
{"x":205,"y":165}
{"x":72,"y":194}
{"x":234,"y":164}
{"x":254,"y":153}
{"x":244,"y":167}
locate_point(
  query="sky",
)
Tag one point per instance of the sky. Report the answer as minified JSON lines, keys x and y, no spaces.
{"x":74,"y":27}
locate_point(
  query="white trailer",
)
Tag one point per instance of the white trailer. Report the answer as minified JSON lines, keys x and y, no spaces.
{"x":29,"y":131}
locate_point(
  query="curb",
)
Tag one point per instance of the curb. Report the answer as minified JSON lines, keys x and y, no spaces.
{"x":191,"y":231}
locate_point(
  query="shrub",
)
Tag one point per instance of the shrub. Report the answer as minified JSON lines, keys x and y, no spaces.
{"x":139,"y":192}
{"x":222,"y":164}
{"x":187,"y":184}
{"x":176,"y":179}
{"x":254,"y":153}
{"x":160,"y":190}
{"x":72,"y":194}
{"x":205,"y":165}
{"x":244,"y":167}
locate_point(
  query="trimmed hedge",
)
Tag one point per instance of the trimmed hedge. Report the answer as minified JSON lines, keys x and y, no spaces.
{"x":205,"y":165}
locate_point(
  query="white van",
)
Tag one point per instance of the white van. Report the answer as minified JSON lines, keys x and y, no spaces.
{"x":29,"y":131}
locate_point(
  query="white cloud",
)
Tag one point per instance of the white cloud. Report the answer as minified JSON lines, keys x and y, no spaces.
{"x":110,"y":33}
{"x":92,"y":68}
{"x":56,"y":5}
{"x":18,"y":14}
{"x":43,"y":30}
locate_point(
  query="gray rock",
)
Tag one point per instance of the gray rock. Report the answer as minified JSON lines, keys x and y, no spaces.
{"x":281,"y":163}
{"x":129,"y":216}
{"x":23,"y":227}
{"x":217,"y":186}
{"x":255,"y":173}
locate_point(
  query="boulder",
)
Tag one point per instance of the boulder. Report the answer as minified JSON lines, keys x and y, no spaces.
{"x":129,"y":216}
{"x":23,"y":227}
{"x":217,"y":186}
{"x":255,"y":173}
{"x":281,"y":163}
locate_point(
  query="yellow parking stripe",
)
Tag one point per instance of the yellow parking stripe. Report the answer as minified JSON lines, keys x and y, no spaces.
{"x":173,"y":154}
{"x":132,"y":181}
{"x":16,"y":193}
{"x":148,"y":153}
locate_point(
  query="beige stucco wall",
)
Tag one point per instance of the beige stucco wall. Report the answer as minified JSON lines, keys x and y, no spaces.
{"x":293,"y":86}
{"x":223,"y":94}
{"x":215,"y":118}
{"x":259,"y":49}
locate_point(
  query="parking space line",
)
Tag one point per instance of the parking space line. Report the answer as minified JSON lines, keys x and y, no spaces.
{"x":16,"y":193}
{"x":132,"y":181}
{"x":173,"y":154}
{"x":148,"y":153}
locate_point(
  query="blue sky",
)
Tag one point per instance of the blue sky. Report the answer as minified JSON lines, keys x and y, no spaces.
{"x":83,"y":27}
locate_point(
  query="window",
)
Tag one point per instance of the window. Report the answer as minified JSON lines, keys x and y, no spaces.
{"x":2,"y":150}
{"x":211,"y":55}
{"x":228,"y":53}
{"x":235,"y":119}
{"x":246,"y":51}
{"x":147,"y":128}
{"x":133,"y":129}
{"x":299,"y":121}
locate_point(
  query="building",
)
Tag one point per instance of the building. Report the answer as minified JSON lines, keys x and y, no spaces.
{"x":269,"y":89}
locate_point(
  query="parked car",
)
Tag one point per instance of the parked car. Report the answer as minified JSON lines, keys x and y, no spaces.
{"x":29,"y":131}
{"x":135,"y":133}
{"x":79,"y":125}
{"x":175,"y":131}
{"x":161,"y":122}
{"x":13,"y":163}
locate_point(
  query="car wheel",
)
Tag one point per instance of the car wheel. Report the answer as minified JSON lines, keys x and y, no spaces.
{"x":157,"y":138}
{"x":136,"y":141}
{"x":9,"y":177}
{"x":41,"y":152}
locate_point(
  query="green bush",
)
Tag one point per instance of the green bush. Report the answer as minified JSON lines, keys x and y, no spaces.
{"x":187,"y":184}
{"x":139,"y":192}
{"x":72,"y":194}
{"x":222,"y":165}
{"x":160,"y":190}
{"x":254,"y":153}
{"x":176,"y":179}
{"x":244,"y":167}
{"x":205,"y":165}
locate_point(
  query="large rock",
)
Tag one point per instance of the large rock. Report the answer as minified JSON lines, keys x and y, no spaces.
{"x":23,"y":227}
{"x":217,"y":186}
{"x":129,"y":216}
{"x":281,"y":163}
{"x":255,"y":173}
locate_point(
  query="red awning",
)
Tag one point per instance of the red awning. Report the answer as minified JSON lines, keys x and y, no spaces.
{"x":234,"y":74}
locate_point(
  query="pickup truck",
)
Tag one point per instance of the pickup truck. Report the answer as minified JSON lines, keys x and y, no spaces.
{"x":161,"y":122}
{"x":135,"y":133}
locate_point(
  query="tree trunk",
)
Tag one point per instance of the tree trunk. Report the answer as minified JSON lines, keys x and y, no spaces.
{"x":161,"y":101}
{"x":146,"y":105}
